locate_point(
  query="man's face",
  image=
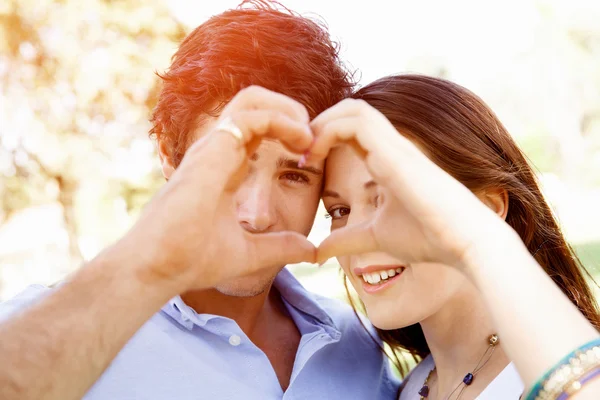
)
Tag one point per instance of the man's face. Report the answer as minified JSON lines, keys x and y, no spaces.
{"x":276,"y":196}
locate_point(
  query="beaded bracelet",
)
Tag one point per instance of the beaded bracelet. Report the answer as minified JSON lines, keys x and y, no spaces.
{"x":574,"y":386}
{"x":569,"y":374}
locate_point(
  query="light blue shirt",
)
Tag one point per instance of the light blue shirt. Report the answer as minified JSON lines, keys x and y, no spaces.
{"x":180,"y":355}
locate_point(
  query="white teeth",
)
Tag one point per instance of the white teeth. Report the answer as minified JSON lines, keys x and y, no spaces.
{"x":374,"y":278}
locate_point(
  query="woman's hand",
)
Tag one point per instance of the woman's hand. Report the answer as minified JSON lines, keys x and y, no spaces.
{"x":189,"y":231}
{"x":425,"y":214}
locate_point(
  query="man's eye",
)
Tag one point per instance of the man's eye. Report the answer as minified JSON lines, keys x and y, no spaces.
{"x":295,"y":177}
{"x":337,"y":213}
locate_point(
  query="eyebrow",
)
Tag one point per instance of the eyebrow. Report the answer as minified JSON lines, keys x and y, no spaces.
{"x":293,"y":164}
{"x":330,"y":193}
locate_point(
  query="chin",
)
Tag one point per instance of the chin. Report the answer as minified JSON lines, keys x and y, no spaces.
{"x":385,"y":320}
{"x":246,"y":287}
{"x":386,"y":324}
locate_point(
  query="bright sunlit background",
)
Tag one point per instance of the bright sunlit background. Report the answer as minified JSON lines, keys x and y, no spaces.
{"x":77,"y":85}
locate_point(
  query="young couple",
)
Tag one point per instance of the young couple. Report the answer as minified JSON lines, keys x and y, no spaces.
{"x":437,"y":220}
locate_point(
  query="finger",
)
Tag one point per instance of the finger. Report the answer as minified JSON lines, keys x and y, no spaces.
{"x":256,"y":97}
{"x":255,"y":124}
{"x":343,"y":109}
{"x":333,"y":133}
{"x":277,"y":249}
{"x":360,"y":152}
{"x":356,"y":122}
{"x":389,"y":156}
{"x":354,"y":239}
{"x":211,"y":162}
{"x":217,"y":158}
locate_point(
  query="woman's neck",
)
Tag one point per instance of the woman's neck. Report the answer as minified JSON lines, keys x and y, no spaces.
{"x":457,"y":336}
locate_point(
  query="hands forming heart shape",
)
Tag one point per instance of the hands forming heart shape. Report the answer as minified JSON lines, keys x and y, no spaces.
{"x":440,"y":220}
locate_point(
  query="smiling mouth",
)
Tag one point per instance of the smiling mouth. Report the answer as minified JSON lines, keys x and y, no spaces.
{"x":377,"y":278}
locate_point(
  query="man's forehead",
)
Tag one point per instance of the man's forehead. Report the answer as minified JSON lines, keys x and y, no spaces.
{"x":275,"y":148}
{"x":271,"y":152}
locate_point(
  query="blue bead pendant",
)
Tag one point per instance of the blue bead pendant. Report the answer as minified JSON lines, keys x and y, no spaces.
{"x":424,"y":391}
{"x":468,"y":379}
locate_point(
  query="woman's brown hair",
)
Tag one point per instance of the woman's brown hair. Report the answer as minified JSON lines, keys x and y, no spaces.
{"x":462,"y":135}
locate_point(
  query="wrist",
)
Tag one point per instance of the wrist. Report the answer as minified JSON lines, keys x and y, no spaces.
{"x":496,"y":247}
{"x":138,"y":268}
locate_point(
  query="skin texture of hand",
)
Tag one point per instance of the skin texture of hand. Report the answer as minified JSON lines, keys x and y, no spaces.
{"x":441,"y":219}
{"x":190,"y":226}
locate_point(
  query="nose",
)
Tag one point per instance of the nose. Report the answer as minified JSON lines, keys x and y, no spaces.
{"x":255,"y":207}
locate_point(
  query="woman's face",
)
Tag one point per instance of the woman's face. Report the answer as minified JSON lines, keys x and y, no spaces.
{"x":395,"y":294}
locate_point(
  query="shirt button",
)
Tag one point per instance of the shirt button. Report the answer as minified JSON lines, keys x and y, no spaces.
{"x":235,"y":340}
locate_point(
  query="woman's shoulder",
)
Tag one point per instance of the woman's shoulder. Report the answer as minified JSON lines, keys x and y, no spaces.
{"x":413,"y":382}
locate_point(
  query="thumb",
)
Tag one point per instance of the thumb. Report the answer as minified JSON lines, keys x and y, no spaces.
{"x":212,"y":162}
{"x":354,"y":239}
{"x":277,"y":249}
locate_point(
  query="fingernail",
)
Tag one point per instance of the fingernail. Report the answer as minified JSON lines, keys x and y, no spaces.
{"x":302,"y":161}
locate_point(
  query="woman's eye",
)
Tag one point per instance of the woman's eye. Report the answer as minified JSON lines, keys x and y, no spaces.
{"x":295,"y":177}
{"x":338,"y":213}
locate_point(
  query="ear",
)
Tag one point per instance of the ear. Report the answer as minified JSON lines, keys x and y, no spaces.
{"x":496,"y":200}
{"x":165,"y":159}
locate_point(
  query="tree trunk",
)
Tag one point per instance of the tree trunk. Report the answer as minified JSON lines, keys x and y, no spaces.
{"x":66,"y":197}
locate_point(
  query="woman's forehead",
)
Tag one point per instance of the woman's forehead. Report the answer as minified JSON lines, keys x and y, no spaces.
{"x":344,"y":167}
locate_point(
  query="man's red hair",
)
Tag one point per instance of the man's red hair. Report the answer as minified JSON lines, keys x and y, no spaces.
{"x":258,"y":43}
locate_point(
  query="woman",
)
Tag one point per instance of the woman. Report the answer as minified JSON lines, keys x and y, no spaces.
{"x":449,"y":269}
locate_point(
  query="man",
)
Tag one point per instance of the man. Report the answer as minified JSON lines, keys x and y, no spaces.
{"x":234,"y":211}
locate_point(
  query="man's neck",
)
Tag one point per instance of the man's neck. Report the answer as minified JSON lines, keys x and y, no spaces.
{"x":247,"y":312}
{"x":263,"y":318}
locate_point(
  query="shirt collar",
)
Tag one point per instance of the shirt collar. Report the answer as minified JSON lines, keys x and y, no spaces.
{"x":291,"y":291}
{"x":180,"y":312}
{"x":297,"y":296}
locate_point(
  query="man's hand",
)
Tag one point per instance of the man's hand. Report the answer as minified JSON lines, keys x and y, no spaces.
{"x":187,"y":238}
{"x":189,"y":233}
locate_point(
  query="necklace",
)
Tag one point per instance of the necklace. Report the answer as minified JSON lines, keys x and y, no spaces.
{"x":493,"y":341}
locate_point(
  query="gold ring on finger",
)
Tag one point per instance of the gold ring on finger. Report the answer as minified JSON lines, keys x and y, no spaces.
{"x":227,"y":125}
